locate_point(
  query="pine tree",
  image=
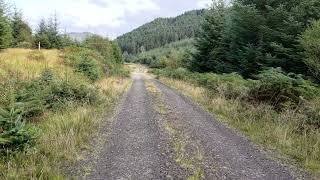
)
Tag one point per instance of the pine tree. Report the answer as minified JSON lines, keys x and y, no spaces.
{"x":42,"y":35}
{"x":53,"y":33}
{"x":5,"y":28}
{"x":210,"y":50}
{"x":22,"y":33}
{"x":48,"y":34}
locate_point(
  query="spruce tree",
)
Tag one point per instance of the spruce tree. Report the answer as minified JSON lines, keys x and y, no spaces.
{"x":210,"y":50}
{"x":41,"y":35}
{"x":22,"y":33}
{"x":5,"y":28}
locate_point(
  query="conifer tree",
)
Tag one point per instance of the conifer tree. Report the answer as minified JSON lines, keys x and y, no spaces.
{"x":209,"y":45}
{"x":5,"y":28}
{"x":21,"y":32}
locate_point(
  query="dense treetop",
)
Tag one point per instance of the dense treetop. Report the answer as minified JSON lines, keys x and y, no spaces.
{"x":253,"y":35}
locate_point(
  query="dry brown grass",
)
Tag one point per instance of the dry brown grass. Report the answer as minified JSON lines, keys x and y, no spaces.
{"x":27,"y":64}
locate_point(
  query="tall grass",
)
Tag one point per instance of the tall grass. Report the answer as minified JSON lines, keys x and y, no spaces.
{"x":27,"y":64}
{"x":279,"y":131}
{"x":63,"y":133}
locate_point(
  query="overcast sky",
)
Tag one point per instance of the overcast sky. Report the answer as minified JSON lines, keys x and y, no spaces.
{"x":105,"y":17}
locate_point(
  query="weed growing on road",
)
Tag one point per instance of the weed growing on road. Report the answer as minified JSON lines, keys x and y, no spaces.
{"x":191,"y":161}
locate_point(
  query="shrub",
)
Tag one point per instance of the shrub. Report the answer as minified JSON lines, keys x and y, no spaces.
{"x":312,"y":110}
{"x":63,"y":92}
{"x":49,"y":92}
{"x":89,"y":67}
{"x":26,"y":45}
{"x":230,"y":86}
{"x":120,"y":71}
{"x":85,"y":61}
{"x":280,"y":89}
{"x":310,"y":41}
{"x":14,"y":134}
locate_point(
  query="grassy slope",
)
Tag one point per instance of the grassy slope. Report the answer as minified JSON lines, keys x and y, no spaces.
{"x":261,"y":124}
{"x":26,"y":64}
{"x":63,"y":134}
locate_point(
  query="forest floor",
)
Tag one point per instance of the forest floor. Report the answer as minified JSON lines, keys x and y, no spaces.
{"x":160,"y":134}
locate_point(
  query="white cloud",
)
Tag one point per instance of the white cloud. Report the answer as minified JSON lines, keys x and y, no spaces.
{"x":105,"y":17}
{"x":204,"y":3}
{"x":105,"y":12}
{"x":87,"y":13}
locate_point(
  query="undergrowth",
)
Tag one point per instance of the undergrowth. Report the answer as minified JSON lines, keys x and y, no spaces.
{"x":49,"y":109}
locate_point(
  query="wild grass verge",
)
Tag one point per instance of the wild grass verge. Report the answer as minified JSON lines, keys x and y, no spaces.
{"x":281,"y":131}
{"x":50,"y":110}
{"x":63,"y":136}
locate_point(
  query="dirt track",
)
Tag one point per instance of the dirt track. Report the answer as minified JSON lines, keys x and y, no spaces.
{"x":140,"y":148}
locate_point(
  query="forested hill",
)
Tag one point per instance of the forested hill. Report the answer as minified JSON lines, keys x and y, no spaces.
{"x":161,"y":31}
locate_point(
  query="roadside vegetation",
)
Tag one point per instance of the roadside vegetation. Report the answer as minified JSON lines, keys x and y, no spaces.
{"x":53,"y":100}
{"x":255,"y":65}
{"x":278,"y":121}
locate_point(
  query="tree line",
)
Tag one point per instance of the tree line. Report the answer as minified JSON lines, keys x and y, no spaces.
{"x":161,"y":31}
{"x":250,"y":36}
{"x":16,"y":32}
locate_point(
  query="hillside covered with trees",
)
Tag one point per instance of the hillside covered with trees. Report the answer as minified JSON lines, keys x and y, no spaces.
{"x":161,"y":31}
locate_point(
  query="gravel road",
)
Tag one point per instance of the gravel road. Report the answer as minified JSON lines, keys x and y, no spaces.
{"x":138,"y":148}
{"x":227,"y":155}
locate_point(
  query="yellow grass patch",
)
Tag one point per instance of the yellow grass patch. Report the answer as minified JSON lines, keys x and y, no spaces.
{"x":27,"y":64}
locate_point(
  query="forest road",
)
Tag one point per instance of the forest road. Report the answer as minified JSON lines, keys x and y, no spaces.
{"x":139,"y":148}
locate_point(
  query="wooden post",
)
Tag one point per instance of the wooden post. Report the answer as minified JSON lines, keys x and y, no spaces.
{"x":39,"y":46}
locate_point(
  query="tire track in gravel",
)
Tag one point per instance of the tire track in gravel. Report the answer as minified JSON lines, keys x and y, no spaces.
{"x":226,"y":155}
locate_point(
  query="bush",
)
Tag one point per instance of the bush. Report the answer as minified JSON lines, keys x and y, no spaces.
{"x":230,"y":86}
{"x":89,"y":67}
{"x":85,"y":61}
{"x":281,"y":90}
{"x":310,"y":41}
{"x":120,"y":71}
{"x":14,"y":134}
{"x":26,"y":45}
{"x":312,"y":110}
{"x":47,"y":92}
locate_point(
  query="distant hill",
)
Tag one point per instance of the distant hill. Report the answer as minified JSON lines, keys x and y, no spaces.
{"x":80,"y":37}
{"x":162,"y":31}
